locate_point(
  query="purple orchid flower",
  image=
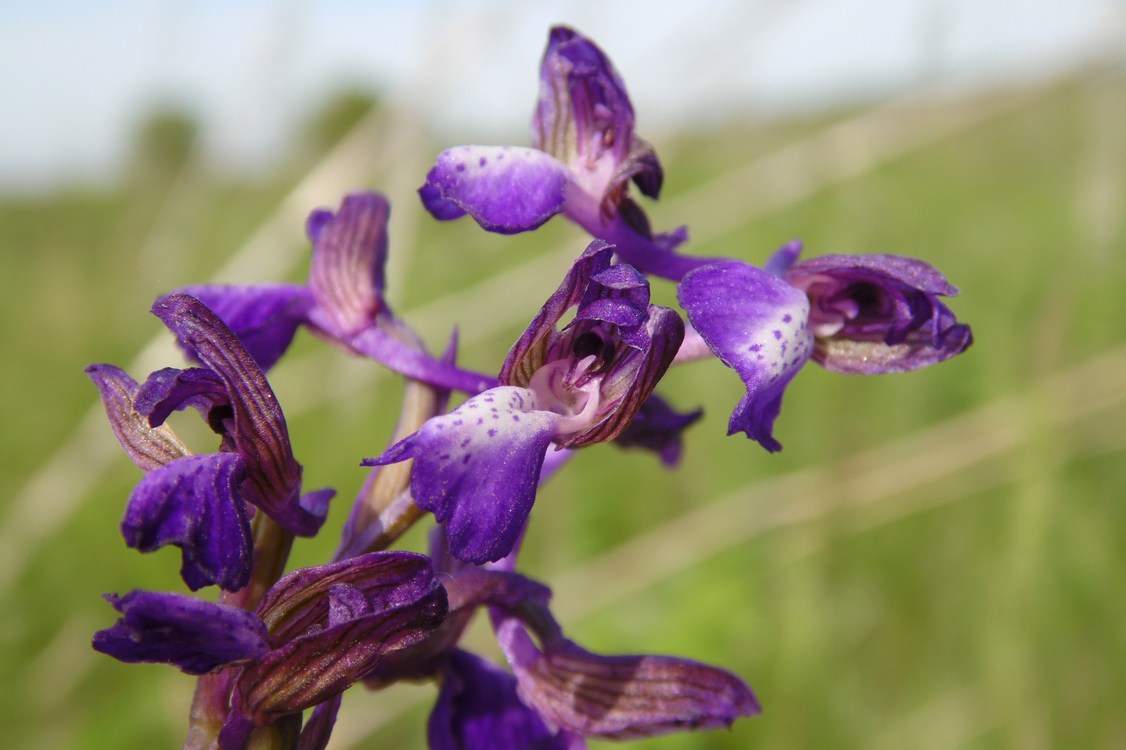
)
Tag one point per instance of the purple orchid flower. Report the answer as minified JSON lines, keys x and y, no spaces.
{"x":476,"y":468}
{"x":199,"y":502}
{"x":316,"y":632}
{"x":343,"y":302}
{"x":584,"y":155}
{"x":864,"y":314}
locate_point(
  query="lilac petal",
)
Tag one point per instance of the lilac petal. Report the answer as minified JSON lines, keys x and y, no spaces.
{"x":476,"y":469}
{"x":149,"y":447}
{"x":879,"y":313}
{"x":356,"y":614}
{"x":194,"y":635}
{"x":657,"y":427}
{"x":349,"y":252}
{"x":478,"y":709}
{"x":194,"y":503}
{"x":623,"y":697}
{"x":507,"y":189}
{"x":260,"y":432}
{"x":265,"y":317}
{"x":756,"y":325}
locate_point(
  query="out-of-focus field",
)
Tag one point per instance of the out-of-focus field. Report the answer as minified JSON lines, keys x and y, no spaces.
{"x":936,"y":559}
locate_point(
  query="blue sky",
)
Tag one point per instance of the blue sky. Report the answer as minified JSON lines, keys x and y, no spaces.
{"x":76,"y":76}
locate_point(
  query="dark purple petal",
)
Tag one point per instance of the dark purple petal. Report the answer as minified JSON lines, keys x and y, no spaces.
{"x":355,"y":614}
{"x":756,"y":324}
{"x":349,"y":252}
{"x":476,"y":469}
{"x":318,"y":729}
{"x":169,"y":389}
{"x":260,"y":432}
{"x":265,"y":317}
{"x":505,"y":188}
{"x":878,"y":313}
{"x":439,"y":207}
{"x":529,"y":353}
{"x":149,"y":447}
{"x":618,"y":295}
{"x":478,"y":709}
{"x":657,"y":427}
{"x":194,"y":635}
{"x":300,"y":603}
{"x":195,"y":503}
{"x":584,"y":117}
{"x":630,"y":377}
{"x":622,"y":697}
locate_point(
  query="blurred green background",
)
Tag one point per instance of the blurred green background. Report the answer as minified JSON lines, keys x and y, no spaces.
{"x":935,"y":560}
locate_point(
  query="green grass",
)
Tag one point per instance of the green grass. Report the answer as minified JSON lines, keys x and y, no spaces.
{"x":963,"y":591}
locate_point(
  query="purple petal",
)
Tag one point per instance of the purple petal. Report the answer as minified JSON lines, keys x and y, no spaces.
{"x":583,"y":117}
{"x":301,"y":602}
{"x":529,"y":353}
{"x":618,"y":295}
{"x":265,"y":317}
{"x":169,"y":389}
{"x":631,"y":376}
{"x":478,"y":709}
{"x":194,"y":635}
{"x":507,"y":189}
{"x":623,"y":697}
{"x":194,"y":503}
{"x":358,"y":613}
{"x":783,"y":258}
{"x":260,"y":432}
{"x":476,"y":469}
{"x":756,"y":324}
{"x":349,"y":252}
{"x":657,"y":427}
{"x":318,"y":729}
{"x":878,"y":313}
{"x":411,"y":361}
{"x":149,"y":447}
{"x":628,"y":232}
